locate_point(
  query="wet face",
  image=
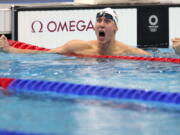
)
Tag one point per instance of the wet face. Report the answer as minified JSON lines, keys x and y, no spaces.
{"x":105,"y":29}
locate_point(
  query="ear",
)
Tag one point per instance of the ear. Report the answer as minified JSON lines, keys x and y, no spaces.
{"x":116,"y":29}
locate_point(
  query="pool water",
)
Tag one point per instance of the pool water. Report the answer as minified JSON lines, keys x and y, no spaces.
{"x":79,"y":116}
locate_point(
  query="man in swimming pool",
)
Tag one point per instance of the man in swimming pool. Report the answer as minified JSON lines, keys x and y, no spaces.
{"x":106,"y":44}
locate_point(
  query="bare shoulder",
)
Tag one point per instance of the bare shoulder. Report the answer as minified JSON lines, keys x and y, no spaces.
{"x":77,"y":44}
{"x":127,"y":49}
{"x":73,"y":46}
{"x":121,"y":44}
{"x":93,"y":43}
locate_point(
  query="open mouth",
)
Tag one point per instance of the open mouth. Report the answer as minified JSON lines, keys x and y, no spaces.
{"x":101,"y":34}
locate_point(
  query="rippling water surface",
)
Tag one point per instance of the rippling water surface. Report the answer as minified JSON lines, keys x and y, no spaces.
{"x":74,"y":116}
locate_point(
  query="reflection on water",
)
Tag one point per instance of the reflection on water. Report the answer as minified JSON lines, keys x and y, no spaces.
{"x":76,"y":116}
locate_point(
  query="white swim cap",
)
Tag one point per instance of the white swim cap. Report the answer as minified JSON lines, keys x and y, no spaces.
{"x":108,"y":13}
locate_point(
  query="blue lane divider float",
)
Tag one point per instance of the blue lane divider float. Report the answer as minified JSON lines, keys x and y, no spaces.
{"x":4,"y":132}
{"x":40,"y":86}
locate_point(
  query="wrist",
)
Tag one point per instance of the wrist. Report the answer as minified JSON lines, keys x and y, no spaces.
{"x":6,"y":48}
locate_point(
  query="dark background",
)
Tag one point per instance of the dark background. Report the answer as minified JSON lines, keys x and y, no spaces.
{"x":145,"y":37}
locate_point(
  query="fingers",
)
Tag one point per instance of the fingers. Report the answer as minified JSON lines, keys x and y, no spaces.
{"x":175,"y":39}
{"x":176,"y":42}
{"x":3,"y":37}
{"x":176,"y":45}
{"x":3,"y":42}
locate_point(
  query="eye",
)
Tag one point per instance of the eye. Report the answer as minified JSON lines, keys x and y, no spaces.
{"x":98,"y":20}
{"x":107,"y":20}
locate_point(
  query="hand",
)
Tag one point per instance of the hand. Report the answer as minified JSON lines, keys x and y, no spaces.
{"x":176,"y":45}
{"x":4,"y":45}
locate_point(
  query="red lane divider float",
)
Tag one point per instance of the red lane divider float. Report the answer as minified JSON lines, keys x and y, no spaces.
{"x":5,"y":82}
{"x":171,"y":60}
{"x":22,"y":45}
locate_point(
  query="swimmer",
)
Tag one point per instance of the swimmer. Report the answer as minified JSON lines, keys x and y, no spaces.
{"x":106,"y":44}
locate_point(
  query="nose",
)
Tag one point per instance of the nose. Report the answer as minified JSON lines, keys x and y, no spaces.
{"x":102,"y":24}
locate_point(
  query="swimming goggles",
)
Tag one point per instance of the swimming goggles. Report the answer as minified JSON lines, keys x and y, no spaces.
{"x":104,"y":14}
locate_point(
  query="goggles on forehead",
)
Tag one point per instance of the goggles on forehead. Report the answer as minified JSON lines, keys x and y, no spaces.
{"x":104,"y":14}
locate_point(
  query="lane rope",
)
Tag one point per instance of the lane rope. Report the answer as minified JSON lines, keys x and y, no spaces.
{"x":136,"y":58}
{"x":22,"y":45}
{"x":82,"y":90}
{"x":5,"y":132}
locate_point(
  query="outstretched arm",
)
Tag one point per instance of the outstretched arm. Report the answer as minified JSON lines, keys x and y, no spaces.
{"x":176,"y":45}
{"x":4,"y":46}
{"x":73,"y":46}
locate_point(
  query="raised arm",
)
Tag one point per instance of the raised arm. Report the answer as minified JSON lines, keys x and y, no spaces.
{"x":176,"y":45}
